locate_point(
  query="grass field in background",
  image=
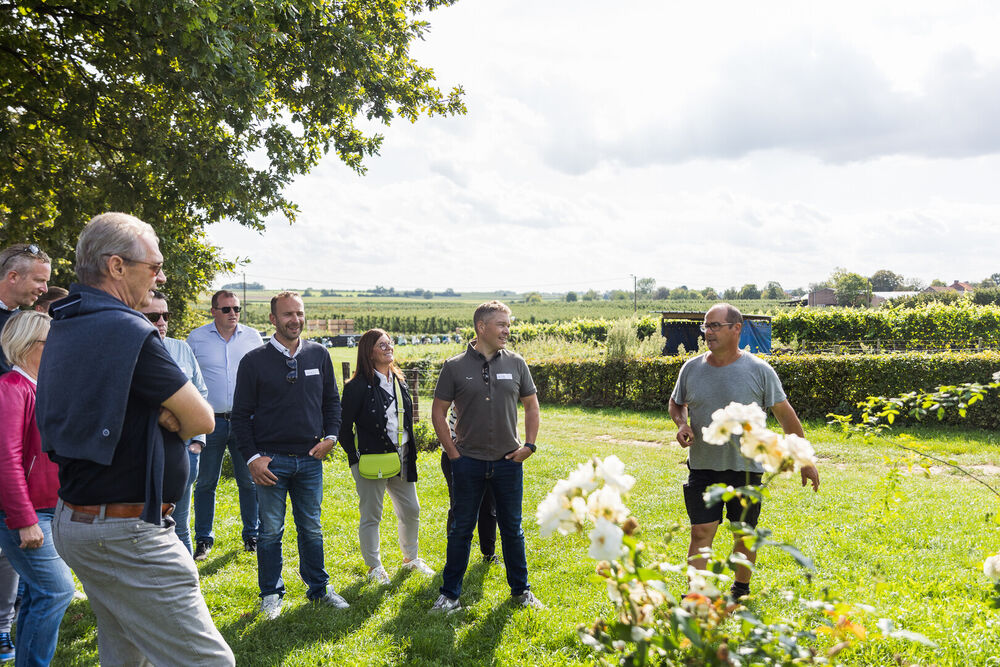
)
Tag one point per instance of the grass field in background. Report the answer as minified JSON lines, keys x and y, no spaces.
{"x":916,"y":560}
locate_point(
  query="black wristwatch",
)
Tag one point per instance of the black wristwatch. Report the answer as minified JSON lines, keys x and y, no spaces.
{"x":531,"y":446}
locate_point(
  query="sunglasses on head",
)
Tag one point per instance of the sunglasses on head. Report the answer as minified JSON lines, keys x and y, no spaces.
{"x":30,"y":250}
{"x":155,"y":317}
{"x":226,"y":309}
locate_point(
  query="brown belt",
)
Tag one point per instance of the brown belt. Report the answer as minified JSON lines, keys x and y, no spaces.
{"x":118,"y":510}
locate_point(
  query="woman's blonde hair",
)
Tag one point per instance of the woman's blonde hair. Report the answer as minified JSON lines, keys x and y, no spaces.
{"x":20,"y":333}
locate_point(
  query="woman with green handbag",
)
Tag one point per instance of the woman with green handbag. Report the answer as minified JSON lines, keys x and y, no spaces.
{"x":377,"y":433}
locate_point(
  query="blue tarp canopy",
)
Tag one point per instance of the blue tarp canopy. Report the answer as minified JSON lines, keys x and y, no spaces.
{"x":682,"y":329}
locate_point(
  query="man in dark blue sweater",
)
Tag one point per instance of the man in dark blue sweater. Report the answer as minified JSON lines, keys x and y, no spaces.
{"x":286,"y":416}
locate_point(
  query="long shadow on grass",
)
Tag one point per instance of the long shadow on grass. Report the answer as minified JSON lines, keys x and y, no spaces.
{"x":431,"y":637}
{"x":215,"y":564}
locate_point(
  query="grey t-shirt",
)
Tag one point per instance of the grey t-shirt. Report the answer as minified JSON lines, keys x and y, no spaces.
{"x":705,"y":388}
{"x":485,"y":394}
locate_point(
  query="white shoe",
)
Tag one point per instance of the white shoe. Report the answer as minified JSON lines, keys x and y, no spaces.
{"x":330,"y":598}
{"x":445,"y":604}
{"x":271,"y":605}
{"x":379,"y":576}
{"x":527,"y":600}
{"x":420,"y":566}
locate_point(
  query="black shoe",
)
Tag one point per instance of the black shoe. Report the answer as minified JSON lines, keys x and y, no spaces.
{"x":738,"y":590}
{"x":491,"y":559}
{"x":201,"y":550}
{"x":250,"y":545}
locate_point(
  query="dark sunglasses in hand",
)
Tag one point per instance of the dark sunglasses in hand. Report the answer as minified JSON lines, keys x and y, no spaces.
{"x":293,"y":375}
{"x":226,"y":309}
{"x":155,"y":317}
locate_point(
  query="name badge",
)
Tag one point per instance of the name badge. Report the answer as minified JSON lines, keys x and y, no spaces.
{"x":505,"y":376}
{"x":312,"y":371}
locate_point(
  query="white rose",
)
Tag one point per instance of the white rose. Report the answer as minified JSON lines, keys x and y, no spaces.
{"x":991,"y":568}
{"x":607,"y":504}
{"x":612,"y":471}
{"x":748,"y":415}
{"x":606,"y":541}
{"x":583,"y":477}
{"x":800,"y":451}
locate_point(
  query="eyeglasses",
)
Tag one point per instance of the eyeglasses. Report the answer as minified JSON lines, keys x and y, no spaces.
{"x":155,"y":317}
{"x":293,"y":375}
{"x":385,"y":347}
{"x":31,"y":250}
{"x":154,"y":267}
{"x":486,"y":372}
{"x":226,"y":309}
{"x":715,"y":326}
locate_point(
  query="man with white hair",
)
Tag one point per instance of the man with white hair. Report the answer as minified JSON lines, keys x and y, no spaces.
{"x":116,"y":430}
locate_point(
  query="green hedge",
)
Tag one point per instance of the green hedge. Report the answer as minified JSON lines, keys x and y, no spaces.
{"x":816,"y":384}
{"x":939,"y":323}
{"x":575,"y":330}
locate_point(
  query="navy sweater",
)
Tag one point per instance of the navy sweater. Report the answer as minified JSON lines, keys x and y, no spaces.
{"x":272,"y":414}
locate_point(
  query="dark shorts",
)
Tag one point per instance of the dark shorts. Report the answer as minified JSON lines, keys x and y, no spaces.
{"x":699,"y":480}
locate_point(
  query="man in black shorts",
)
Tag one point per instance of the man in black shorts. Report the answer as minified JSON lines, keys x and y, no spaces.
{"x":706,"y":383}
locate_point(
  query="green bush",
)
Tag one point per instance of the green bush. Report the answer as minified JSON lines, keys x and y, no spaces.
{"x":816,"y":384}
{"x":939,"y":324}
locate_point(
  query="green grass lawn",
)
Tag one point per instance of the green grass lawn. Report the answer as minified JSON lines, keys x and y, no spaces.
{"x":916,"y":561}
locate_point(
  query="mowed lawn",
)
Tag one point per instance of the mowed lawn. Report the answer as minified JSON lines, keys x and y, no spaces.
{"x":915,"y":559}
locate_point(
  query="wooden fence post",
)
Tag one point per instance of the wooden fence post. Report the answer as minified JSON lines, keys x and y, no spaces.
{"x":347,"y":372}
{"x":413,"y":379}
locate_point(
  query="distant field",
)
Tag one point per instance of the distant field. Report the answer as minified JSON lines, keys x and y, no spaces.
{"x":442,"y":315}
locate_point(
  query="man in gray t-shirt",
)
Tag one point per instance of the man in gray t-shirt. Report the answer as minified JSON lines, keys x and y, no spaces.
{"x":706,"y":383}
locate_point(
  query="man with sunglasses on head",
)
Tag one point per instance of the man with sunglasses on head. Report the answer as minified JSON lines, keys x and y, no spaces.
{"x":159,"y":314}
{"x":286,"y":414}
{"x":26,"y":271}
{"x":707,"y":383}
{"x":219,"y":347}
{"x":485,"y":383}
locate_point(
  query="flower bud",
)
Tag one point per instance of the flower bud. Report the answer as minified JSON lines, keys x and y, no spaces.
{"x":630,"y":525}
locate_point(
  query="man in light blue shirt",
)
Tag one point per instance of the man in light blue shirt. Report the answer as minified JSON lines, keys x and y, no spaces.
{"x":219,"y":347}
{"x":158,"y":313}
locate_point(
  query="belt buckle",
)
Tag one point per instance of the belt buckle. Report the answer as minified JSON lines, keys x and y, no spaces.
{"x":82,"y":517}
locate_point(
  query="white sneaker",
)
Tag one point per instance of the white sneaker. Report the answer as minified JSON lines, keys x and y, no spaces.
{"x":445,"y":605}
{"x":420,"y":566}
{"x":331,"y":599}
{"x":379,"y":576}
{"x":528,"y":600}
{"x":271,"y":605}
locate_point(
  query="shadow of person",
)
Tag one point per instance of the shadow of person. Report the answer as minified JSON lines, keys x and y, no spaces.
{"x":423,"y":633}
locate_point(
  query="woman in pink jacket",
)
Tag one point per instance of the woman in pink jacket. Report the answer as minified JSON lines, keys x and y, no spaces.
{"x":29,"y":483}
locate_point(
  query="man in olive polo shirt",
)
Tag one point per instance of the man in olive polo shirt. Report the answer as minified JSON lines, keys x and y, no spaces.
{"x":485,"y":383}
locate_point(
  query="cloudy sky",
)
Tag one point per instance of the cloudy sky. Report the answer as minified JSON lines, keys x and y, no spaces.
{"x":700,"y":144}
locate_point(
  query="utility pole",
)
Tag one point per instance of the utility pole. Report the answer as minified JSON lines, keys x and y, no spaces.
{"x":244,"y":288}
{"x":635,"y":293}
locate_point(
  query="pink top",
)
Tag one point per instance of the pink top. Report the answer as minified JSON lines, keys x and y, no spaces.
{"x":29,"y":480}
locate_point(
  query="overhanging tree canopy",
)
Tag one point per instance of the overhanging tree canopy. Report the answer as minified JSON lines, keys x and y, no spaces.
{"x":186,"y":112}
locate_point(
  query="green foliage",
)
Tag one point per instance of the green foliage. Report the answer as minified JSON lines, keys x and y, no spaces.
{"x":933,"y":324}
{"x":426,"y":438}
{"x":571,"y":297}
{"x":187,"y":113}
{"x":885,"y":280}
{"x":986,"y":296}
{"x":852,"y":289}
{"x":749,"y":291}
{"x":924,"y":298}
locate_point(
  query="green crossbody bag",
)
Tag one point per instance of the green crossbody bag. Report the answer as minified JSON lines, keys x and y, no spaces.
{"x":384,"y":466}
{"x":379,"y":466}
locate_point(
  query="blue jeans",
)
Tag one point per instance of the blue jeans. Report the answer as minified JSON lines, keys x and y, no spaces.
{"x":470,"y":480}
{"x":210,"y":468}
{"x":300,"y":478}
{"x":48,"y":591}
{"x":182,"y":512}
